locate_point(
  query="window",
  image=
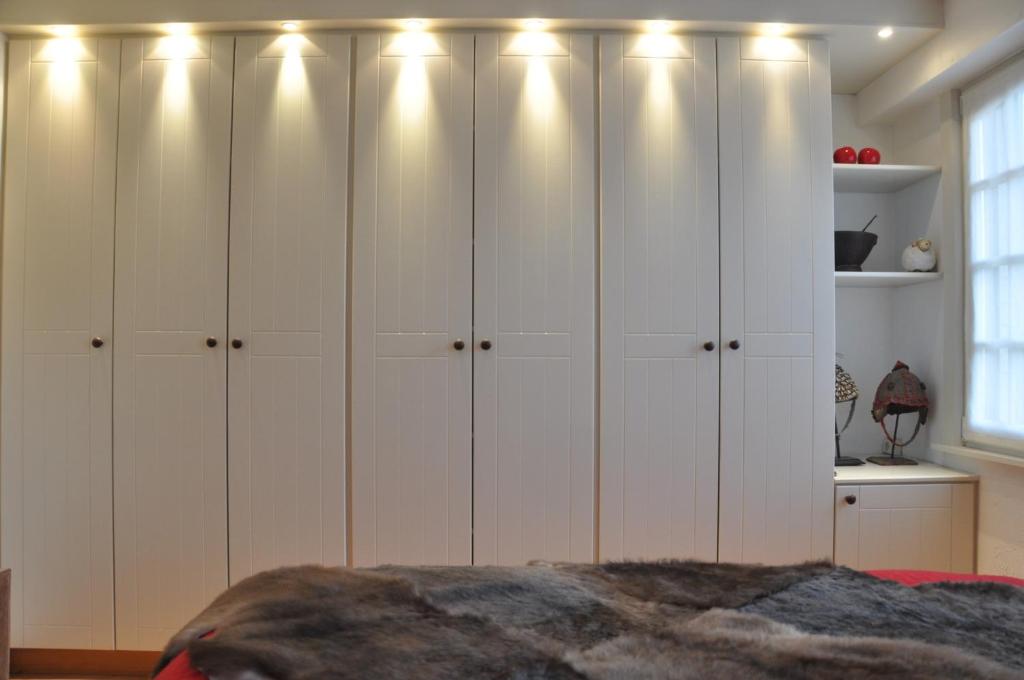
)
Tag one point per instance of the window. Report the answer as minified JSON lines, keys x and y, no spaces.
{"x":994,"y":263}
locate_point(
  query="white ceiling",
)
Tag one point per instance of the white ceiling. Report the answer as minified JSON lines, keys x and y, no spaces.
{"x":859,"y":55}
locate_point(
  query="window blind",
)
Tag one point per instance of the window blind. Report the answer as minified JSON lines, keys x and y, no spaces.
{"x":994,"y":201}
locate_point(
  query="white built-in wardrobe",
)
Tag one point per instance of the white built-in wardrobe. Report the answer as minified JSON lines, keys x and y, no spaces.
{"x":405,"y":298}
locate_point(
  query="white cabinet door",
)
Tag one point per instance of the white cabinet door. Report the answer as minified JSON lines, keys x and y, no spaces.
{"x":535,"y":286}
{"x":286,"y":380}
{"x":905,"y":526}
{"x":777,"y":300}
{"x":170,"y":296}
{"x":58,"y":275}
{"x":659,"y":298}
{"x":412,"y":300}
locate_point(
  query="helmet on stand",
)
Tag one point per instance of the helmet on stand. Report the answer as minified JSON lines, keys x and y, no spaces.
{"x":900,"y":392}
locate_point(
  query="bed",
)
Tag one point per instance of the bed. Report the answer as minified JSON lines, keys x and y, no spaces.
{"x":669,"y":619}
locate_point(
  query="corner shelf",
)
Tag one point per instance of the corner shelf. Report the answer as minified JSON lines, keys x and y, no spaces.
{"x":883,"y":279}
{"x":878,"y":179}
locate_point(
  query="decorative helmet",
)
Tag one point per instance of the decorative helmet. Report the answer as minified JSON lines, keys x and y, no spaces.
{"x":900,"y":392}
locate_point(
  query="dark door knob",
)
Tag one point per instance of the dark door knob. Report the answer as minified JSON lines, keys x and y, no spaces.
{"x":709,"y":346}
{"x":211,"y":341}
{"x":851,"y":499}
{"x":485,"y":344}
{"x":459,"y":344}
{"x":734,"y":344}
{"x":97,"y":342}
{"x":236,"y":343}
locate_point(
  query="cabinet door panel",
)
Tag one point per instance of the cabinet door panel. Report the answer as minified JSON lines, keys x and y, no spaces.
{"x":286,"y":389}
{"x":411,"y":300}
{"x":659,"y":222}
{"x":57,"y":532}
{"x":905,"y":526}
{"x":777,"y":301}
{"x":170,"y":391}
{"x":534,"y":297}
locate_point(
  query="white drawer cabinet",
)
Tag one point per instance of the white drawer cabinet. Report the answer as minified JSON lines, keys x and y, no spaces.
{"x":905,"y":518}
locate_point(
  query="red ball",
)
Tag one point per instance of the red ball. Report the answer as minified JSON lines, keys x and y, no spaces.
{"x":845,"y":154}
{"x":869,"y":156}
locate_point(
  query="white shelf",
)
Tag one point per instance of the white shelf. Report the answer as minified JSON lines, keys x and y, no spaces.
{"x":878,"y":179}
{"x":922,"y":473}
{"x":883,"y":279}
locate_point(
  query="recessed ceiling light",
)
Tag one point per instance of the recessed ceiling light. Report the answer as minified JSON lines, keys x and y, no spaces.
{"x":62,"y":31}
{"x":660,"y":26}
{"x":534,"y":24}
{"x":290,"y":26}
{"x":414,"y":24}
{"x":885,"y":32}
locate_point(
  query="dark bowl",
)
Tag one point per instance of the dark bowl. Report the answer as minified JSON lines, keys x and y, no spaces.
{"x":852,"y":248}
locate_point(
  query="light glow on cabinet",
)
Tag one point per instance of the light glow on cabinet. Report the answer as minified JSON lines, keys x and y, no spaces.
{"x":541,"y":93}
{"x":658,"y":46}
{"x":63,"y":55}
{"x":293,"y":70}
{"x":412,"y":88}
{"x":534,"y":44}
{"x":415,"y":44}
{"x":176,"y":49}
{"x":775,"y":48}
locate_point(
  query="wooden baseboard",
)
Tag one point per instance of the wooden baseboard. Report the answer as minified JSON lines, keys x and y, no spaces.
{"x":71,"y":663}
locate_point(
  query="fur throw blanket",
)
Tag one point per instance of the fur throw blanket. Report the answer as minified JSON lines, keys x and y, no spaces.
{"x":617,"y":621}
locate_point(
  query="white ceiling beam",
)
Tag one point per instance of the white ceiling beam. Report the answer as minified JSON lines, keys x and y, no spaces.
{"x":976,"y":37}
{"x":30,"y":15}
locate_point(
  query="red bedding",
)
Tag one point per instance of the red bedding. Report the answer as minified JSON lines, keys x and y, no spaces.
{"x":914,"y":578}
{"x":181,"y":668}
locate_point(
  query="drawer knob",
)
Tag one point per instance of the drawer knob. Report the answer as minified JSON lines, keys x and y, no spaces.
{"x":97,"y":342}
{"x":851,"y":499}
{"x":211,"y":342}
{"x":485,"y":344}
{"x":709,"y":346}
{"x":459,"y":344}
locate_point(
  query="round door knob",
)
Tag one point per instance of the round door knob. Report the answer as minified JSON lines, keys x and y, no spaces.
{"x":459,"y":344}
{"x":485,"y":344}
{"x":97,"y":342}
{"x":211,"y":341}
{"x":236,"y":343}
{"x":734,"y":344}
{"x":709,"y":346}
{"x":851,"y":499}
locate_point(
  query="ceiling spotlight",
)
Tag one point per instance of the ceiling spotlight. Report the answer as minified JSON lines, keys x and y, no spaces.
{"x":534,"y":24}
{"x":885,"y":32}
{"x":290,"y":26}
{"x":660,"y":26}
{"x":62,"y":31}
{"x":774,"y":30}
{"x":414,"y":24}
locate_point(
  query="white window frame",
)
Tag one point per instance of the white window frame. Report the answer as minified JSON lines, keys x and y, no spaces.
{"x":974,"y":99}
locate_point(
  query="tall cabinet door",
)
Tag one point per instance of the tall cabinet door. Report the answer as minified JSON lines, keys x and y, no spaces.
{"x":58,"y":275}
{"x":777,"y":300}
{"x":170,"y":313}
{"x":659,"y":298}
{"x":286,"y":323}
{"x":412,"y":294}
{"x":534,"y":306}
